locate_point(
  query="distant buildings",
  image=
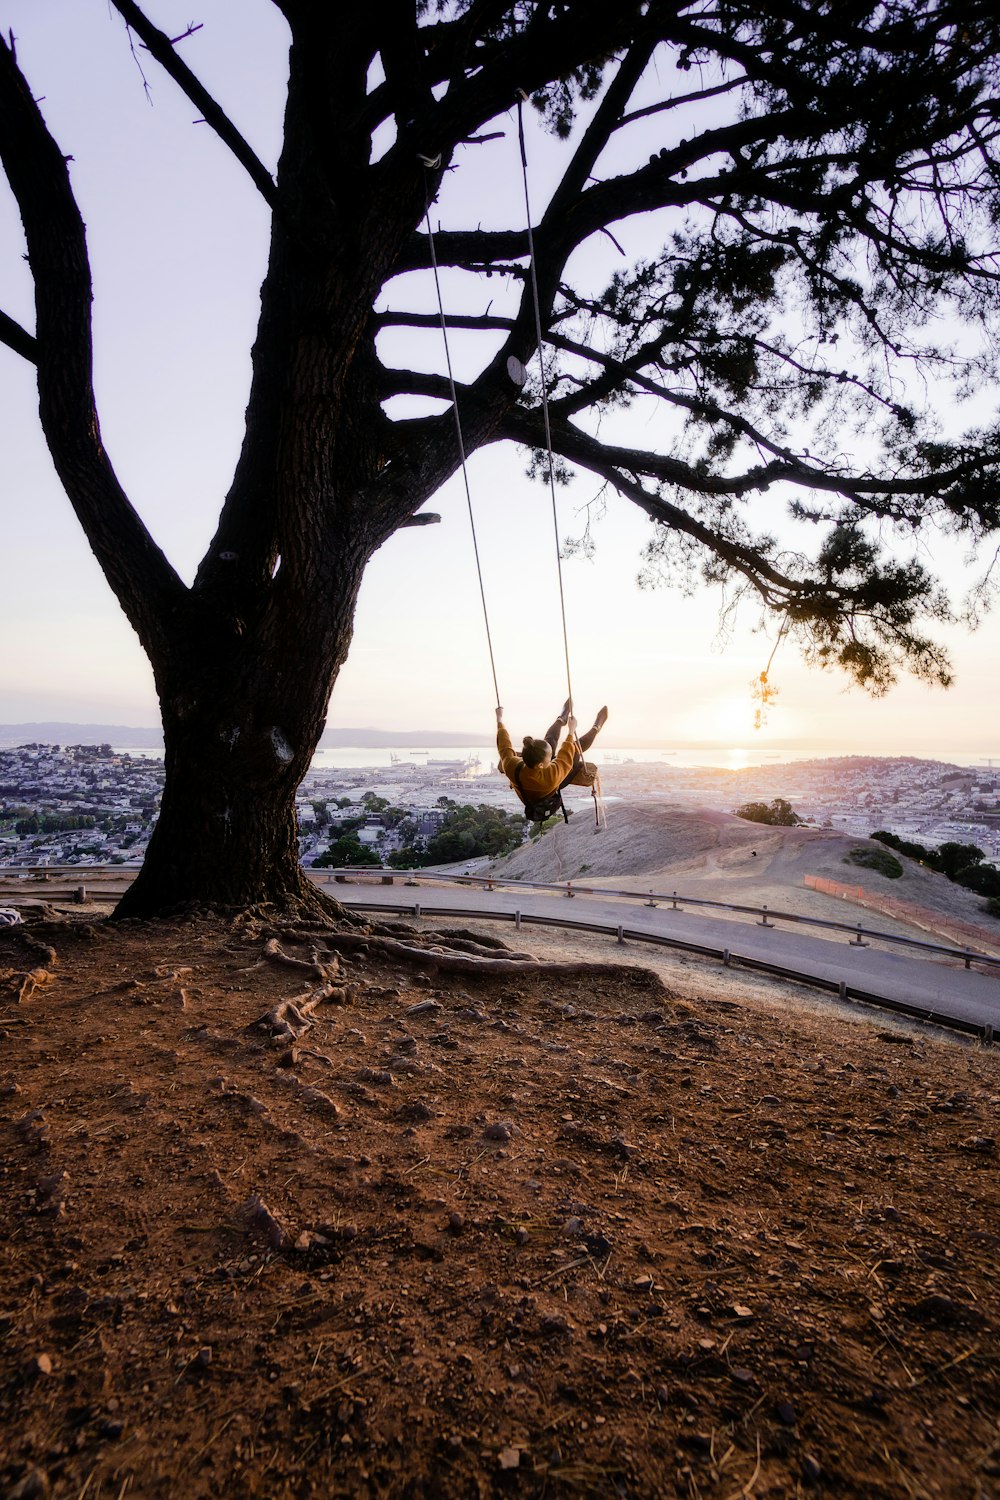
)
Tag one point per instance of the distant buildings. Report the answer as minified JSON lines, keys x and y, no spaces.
{"x":88,"y":804}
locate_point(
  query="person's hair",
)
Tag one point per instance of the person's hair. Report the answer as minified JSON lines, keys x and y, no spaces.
{"x":533,"y":751}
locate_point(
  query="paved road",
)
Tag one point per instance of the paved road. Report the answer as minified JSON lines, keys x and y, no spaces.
{"x":929,"y":986}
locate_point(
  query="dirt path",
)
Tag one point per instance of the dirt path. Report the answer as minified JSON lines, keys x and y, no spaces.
{"x":564,"y":1236}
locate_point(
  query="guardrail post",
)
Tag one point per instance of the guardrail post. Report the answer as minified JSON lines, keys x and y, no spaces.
{"x":988,"y":1034}
{"x":651,"y":902}
{"x":842,"y":989}
{"x":968,"y":959}
{"x":725,"y":958}
{"x":763,"y":921}
{"x":416,"y":908}
{"x":387,"y":880}
{"x":569,"y":888}
{"x":858,"y":942}
{"x":621,"y":933}
{"x":676,"y":908}
{"x":517,"y":921}
{"x":489,"y":885}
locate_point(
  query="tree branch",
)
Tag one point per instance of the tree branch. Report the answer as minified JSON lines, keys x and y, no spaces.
{"x":136,"y":569}
{"x":17,"y":338}
{"x":161,"y":47}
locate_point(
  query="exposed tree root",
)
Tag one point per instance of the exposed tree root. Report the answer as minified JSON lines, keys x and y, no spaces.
{"x":19,"y":986}
{"x":463,"y":955}
{"x":287,"y":1020}
{"x":449,"y":961}
{"x":312,"y":906}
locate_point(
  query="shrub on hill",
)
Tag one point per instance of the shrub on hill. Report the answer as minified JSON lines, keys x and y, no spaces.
{"x":777,"y":813}
{"x":905,"y":846}
{"x":467,"y":832}
{"x":875,"y":859}
{"x":982,"y":878}
{"x":346,"y":850}
{"x":961,"y":863}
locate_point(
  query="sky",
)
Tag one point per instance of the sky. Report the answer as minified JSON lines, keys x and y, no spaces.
{"x":178,"y":243}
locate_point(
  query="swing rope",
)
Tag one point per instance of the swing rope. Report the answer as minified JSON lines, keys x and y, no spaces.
{"x":545,"y":395}
{"x":599,"y":812}
{"x":458,"y":434}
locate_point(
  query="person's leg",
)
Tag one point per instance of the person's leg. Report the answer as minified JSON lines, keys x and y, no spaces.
{"x":553,"y":732}
{"x":586,"y":740}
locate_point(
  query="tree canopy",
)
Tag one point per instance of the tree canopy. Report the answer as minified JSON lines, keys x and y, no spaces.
{"x":805,"y":262}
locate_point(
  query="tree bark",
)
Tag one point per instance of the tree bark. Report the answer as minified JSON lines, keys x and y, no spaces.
{"x":227,"y":832}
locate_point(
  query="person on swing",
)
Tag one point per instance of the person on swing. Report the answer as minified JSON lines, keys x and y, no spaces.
{"x":543,"y":767}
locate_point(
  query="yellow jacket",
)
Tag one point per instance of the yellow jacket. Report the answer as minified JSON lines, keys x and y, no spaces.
{"x":536,"y":781}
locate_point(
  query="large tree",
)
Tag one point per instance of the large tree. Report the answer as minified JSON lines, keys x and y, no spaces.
{"x":823,"y":189}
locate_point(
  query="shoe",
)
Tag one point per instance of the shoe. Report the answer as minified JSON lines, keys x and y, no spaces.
{"x":565,"y":711}
{"x":602,"y":718}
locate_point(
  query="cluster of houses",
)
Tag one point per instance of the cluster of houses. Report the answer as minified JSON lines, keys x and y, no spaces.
{"x":95,"y":804}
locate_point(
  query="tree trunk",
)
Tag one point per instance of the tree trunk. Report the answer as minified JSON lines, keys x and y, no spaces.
{"x":227,"y":832}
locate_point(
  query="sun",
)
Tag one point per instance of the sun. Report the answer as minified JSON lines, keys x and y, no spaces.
{"x":729,"y":721}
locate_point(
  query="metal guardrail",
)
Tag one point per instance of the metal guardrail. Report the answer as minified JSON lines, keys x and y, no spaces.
{"x":623,"y":934}
{"x":766,"y":917}
{"x":846,"y":992}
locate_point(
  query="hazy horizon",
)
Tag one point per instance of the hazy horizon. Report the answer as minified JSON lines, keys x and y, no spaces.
{"x":374,"y":737}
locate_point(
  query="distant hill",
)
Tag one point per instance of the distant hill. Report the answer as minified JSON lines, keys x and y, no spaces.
{"x":145,"y":738}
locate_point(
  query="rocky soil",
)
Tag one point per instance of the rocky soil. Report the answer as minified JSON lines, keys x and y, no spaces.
{"x":452,"y":1226}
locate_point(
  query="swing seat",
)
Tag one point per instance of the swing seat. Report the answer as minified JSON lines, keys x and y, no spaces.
{"x":545,"y":807}
{"x":585,"y":775}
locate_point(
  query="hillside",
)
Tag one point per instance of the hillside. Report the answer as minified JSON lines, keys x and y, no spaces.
{"x":656,"y":845}
{"x":483,"y":1228}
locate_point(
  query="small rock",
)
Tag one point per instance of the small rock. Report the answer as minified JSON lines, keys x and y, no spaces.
{"x":743,"y":1376}
{"x":415,"y":1109}
{"x":521,"y":1235}
{"x":786,"y":1413}
{"x":256,"y":1218}
{"x":316,"y":1099}
{"x":742,"y":1312}
{"x":984,"y":1144}
{"x":310,"y":1240}
{"x":598,"y":1244}
{"x":573,"y":1228}
{"x":424,"y":1008}
{"x":38,"y":1364}
{"x":811,"y":1470}
{"x":555,"y":1325}
{"x":510,"y":1458}
{"x":288,"y":1058}
{"x":500,"y":1130}
{"x":456,"y":1222}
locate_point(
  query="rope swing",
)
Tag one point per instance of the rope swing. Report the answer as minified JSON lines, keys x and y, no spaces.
{"x":545,"y":395}
{"x":533,"y":279}
{"x":429,"y":164}
{"x":458,"y":428}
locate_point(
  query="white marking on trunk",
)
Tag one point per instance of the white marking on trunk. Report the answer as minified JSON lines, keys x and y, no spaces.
{"x":282,"y":749}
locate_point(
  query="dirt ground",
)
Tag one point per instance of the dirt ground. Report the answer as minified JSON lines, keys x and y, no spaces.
{"x":504,"y":1232}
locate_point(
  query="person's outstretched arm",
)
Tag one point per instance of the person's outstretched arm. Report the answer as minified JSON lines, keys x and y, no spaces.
{"x":505,"y":748}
